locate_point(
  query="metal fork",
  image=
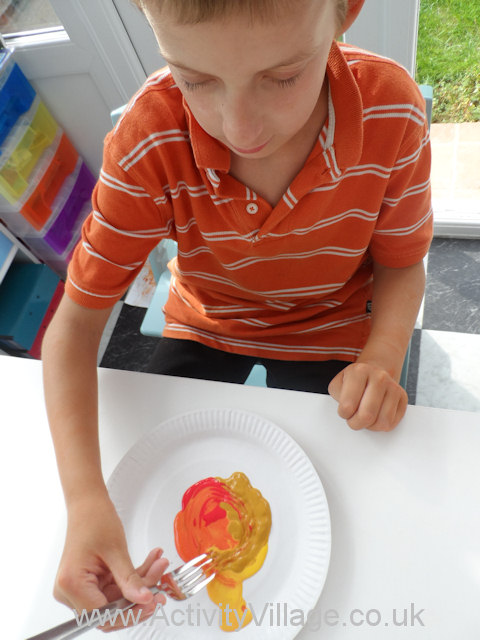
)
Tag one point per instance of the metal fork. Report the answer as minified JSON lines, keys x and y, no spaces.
{"x":179,"y":584}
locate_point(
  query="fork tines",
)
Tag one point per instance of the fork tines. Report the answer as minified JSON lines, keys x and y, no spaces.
{"x":195,"y":574}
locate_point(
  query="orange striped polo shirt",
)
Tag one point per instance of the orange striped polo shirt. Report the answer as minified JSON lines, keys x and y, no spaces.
{"x":291,"y":281}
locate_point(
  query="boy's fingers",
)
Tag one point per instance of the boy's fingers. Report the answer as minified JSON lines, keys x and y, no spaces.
{"x":392,"y":411}
{"x":335,"y":386}
{"x":152,"y":557}
{"x":349,"y":388}
{"x":153,"y":568}
{"x":368,"y":409}
{"x":155,"y":572}
{"x":150,"y":571}
{"x":368,"y":398}
{"x":382,"y":407}
{"x":129,"y":582}
{"x":148,"y":574}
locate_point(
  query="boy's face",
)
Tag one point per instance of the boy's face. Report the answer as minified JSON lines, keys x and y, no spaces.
{"x":254,"y":87}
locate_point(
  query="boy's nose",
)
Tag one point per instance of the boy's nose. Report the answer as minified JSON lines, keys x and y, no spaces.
{"x":242,"y":122}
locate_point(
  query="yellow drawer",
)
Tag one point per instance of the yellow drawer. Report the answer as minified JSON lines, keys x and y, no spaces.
{"x":34,"y":138}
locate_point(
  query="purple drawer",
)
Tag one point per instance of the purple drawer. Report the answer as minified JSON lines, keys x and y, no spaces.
{"x":67,"y":222}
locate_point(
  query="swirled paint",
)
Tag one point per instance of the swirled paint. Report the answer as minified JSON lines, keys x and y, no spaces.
{"x":230,"y":520}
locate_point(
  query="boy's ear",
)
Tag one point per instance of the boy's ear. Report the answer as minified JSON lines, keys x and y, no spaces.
{"x":354,"y":7}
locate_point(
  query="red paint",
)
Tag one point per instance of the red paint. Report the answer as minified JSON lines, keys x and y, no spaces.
{"x":202,"y":523}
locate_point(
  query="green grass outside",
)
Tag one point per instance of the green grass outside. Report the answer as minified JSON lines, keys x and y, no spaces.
{"x":448,"y":58}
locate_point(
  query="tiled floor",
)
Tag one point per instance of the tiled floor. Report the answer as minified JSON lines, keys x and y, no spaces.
{"x":449,"y":343}
{"x":444,"y":366}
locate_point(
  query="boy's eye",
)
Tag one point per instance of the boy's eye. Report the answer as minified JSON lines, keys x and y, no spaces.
{"x":287,"y":82}
{"x":192,"y":86}
{"x":281,"y":82}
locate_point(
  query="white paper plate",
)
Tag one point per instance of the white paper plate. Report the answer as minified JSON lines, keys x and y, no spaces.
{"x":147,"y":487}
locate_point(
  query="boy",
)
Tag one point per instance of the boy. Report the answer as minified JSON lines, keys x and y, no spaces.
{"x":294,"y":175}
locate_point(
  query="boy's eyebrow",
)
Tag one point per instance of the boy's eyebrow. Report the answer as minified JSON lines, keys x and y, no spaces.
{"x":297,"y":58}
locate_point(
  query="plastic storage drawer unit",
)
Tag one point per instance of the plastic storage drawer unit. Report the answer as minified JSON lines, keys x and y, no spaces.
{"x":16,"y":97}
{"x":23,"y":149}
{"x":71,"y":216}
{"x":38,"y":208}
{"x":25,"y":296}
{"x":70,"y":209}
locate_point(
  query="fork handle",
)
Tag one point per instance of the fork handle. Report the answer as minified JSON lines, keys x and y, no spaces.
{"x":73,"y":628}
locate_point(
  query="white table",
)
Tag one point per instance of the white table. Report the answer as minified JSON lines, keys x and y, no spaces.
{"x":405,"y":506}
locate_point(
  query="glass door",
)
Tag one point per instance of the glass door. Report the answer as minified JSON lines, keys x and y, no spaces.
{"x":449,"y":60}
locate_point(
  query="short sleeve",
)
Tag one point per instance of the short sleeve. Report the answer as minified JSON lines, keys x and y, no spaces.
{"x":129,"y":218}
{"x":404,"y":227}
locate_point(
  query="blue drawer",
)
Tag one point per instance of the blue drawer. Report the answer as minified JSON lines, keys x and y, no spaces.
{"x":25,"y":295}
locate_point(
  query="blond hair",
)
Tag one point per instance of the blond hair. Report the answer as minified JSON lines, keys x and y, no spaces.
{"x":196,"y":11}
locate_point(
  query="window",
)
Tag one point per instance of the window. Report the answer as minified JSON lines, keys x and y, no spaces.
{"x":26,"y":18}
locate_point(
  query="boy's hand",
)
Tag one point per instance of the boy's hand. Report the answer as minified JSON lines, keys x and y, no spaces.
{"x":368,"y":397}
{"x":96,"y":568}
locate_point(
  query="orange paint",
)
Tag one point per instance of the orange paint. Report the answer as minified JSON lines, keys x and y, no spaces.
{"x":230,"y":520}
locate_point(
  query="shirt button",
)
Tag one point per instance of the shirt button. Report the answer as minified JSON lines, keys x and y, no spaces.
{"x":252,"y":207}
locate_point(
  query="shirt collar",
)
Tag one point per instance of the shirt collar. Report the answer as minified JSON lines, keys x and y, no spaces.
{"x":208,"y":152}
{"x":345,"y":117}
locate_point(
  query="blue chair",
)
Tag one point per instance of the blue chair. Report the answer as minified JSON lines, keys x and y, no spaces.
{"x":154,"y":321}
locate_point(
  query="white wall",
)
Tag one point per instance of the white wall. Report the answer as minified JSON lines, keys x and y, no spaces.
{"x":388,"y":27}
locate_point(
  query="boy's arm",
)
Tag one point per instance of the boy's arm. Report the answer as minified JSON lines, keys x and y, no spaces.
{"x":69,"y":354}
{"x":95,"y":544}
{"x":367,"y":391}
